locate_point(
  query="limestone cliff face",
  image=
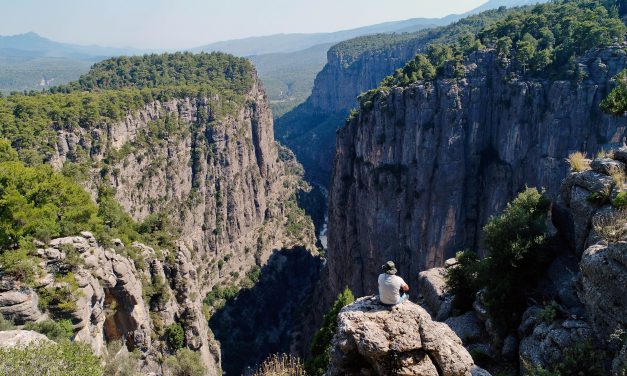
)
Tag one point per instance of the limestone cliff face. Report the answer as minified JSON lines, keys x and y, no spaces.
{"x":417,"y":177}
{"x":218,"y":177}
{"x":309,"y":129}
{"x":213,"y":168}
{"x":113,"y":299}
{"x":346,"y":76}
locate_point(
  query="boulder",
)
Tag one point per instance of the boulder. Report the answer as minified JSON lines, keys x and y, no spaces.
{"x":20,"y":305}
{"x":20,"y":338}
{"x":545,"y":344}
{"x":607,"y":166}
{"x":604,"y":287}
{"x":433,"y":294}
{"x":466,"y":326}
{"x":377,"y":340}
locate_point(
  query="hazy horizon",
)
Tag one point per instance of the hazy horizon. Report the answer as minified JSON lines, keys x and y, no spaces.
{"x":165,"y":24}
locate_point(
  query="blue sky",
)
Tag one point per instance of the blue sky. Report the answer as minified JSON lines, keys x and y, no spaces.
{"x":190,"y":23}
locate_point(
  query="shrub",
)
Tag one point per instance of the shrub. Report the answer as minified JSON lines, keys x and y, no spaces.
{"x":60,"y":298}
{"x":185,"y":363}
{"x":6,"y":324}
{"x":38,"y":202}
{"x":462,"y":280}
{"x":549,"y":312}
{"x":619,"y":179}
{"x":121,"y":363}
{"x":281,"y":365}
{"x":582,"y":358}
{"x":19,"y":264}
{"x":321,"y":344}
{"x":516,"y":255}
{"x":620,"y":201}
{"x":611,"y":226}
{"x":156,"y":293}
{"x":54,"y":330}
{"x":578,"y":162}
{"x":599,"y":198}
{"x":73,"y":258}
{"x":65,"y":358}
{"x":175,"y":336}
{"x":7,"y":153}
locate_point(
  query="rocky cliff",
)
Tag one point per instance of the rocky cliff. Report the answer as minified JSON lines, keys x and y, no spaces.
{"x":221,"y":180}
{"x":376,"y":340}
{"x":113,"y":301}
{"x":418,"y":175}
{"x":353,"y":67}
{"x":210,"y":165}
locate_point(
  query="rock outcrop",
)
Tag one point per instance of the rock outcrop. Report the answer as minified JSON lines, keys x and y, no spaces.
{"x":112,"y":301}
{"x":19,"y":338}
{"x":418,"y":176}
{"x":590,"y":213}
{"x":376,"y":340}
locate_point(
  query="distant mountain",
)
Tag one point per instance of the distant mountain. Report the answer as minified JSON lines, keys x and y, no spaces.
{"x":34,"y":45}
{"x":31,"y":62}
{"x":283,"y":43}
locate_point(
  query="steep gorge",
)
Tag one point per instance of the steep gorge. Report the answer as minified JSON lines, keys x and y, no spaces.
{"x":355,"y":66}
{"x":418,"y":175}
{"x":207,"y":162}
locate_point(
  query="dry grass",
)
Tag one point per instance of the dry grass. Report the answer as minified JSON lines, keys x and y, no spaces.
{"x":619,"y":179}
{"x":611,"y":226}
{"x":605,"y":154}
{"x":281,"y":365}
{"x":578,"y":162}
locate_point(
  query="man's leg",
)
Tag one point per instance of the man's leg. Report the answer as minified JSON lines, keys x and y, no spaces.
{"x":403,"y":298}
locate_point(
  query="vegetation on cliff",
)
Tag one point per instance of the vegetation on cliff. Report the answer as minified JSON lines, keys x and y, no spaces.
{"x":515,"y":242}
{"x":543,"y":41}
{"x":65,"y":358}
{"x":321,"y":344}
{"x":115,"y":87}
{"x":351,"y":49}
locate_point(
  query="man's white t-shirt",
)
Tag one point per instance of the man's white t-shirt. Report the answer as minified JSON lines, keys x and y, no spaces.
{"x":389,"y":288}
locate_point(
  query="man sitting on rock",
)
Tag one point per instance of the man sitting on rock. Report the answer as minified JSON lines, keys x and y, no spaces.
{"x":390,"y":285}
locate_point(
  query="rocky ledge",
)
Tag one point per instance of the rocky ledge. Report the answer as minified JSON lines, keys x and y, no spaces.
{"x":373,"y":339}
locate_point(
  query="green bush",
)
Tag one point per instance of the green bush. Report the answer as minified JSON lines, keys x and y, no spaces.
{"x":60,"y":298}
{"x":55,"y":330}
{"x":185,"y":363}
{"x":20,"y":264}
{"x":40,"y":203}
{"x":73,"y":258}
{"x":121,"y":363}
{"x":582,"y":358}
{"x":516,"y":255}
{"x":549,"y":312}
{"x":65,"y":358}
{"x":616,"y":101}
{"x":321,"y":344}
{"x":175,"y":336}
{"x":156,"y":293}
{"x":6,"y":324}
{"x":462,"y":280}
{"x":620,"y":201}
{"x":7,"y":153}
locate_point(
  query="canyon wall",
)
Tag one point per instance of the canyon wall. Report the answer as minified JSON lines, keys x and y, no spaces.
{"x":222,"y":180}
{"x":418,"y":175}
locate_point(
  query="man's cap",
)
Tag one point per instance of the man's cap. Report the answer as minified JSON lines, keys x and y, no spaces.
{"x":389,"y":267}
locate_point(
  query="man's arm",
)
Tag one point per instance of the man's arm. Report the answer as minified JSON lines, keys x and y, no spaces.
{"x":405,"y":287}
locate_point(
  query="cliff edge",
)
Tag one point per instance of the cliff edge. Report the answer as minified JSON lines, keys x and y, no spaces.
{"x":373,"y":339}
